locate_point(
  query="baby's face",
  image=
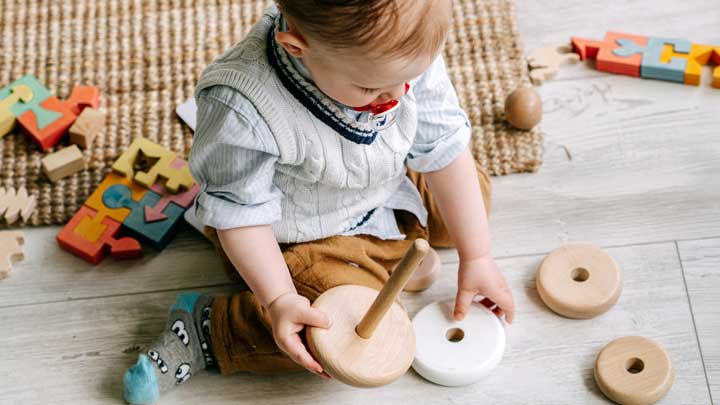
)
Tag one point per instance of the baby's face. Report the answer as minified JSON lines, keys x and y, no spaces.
{"x":355,"y":79}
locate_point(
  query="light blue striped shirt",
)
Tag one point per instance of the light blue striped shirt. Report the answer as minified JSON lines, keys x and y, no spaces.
{"x":239,"y":156}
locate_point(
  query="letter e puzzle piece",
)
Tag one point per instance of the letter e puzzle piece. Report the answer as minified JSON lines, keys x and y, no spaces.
{"x":157,"y":233}
{"x":160,"y":161}
{"x":11,"y":250}
{"x":85,"y":238}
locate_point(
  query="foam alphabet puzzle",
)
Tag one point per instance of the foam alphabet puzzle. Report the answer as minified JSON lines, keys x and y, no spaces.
{"x":94,"y":247}
{"x":161,"y":160}
{"x":669,"y":59}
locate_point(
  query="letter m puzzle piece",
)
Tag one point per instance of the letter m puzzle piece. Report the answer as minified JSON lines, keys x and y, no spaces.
{"x":160,"y":165}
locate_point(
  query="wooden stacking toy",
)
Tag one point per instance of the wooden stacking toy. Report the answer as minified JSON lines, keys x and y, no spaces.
{"x":455,"y":353}
{"x":579,"y":281}
{"x":523,"y":108}
{"x":633,"y":370}
{"x":371,"y":341}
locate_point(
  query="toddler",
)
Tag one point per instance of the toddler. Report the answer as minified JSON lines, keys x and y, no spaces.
{"x":327,"y":141}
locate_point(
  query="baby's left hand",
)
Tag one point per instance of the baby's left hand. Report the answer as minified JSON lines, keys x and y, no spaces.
{"x":481,"y":276}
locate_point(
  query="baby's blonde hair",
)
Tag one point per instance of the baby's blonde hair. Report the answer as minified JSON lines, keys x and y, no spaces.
{"x":392,"y":28}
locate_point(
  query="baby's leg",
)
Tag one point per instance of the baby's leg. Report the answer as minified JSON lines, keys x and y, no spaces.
{"x":181,"y":351}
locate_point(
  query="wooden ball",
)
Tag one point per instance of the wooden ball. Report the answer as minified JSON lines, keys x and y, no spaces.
{"x":579,"y":281}
{"x":455,"y":353}
{"x":353,"y":360}
{"x":523,"y":108}
{"x":633,"y":370}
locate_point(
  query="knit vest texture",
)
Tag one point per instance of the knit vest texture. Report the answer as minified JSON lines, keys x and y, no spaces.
{"x":332,"y":170}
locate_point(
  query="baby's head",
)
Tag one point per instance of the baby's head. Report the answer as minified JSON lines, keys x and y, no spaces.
{"x":362,"y":52}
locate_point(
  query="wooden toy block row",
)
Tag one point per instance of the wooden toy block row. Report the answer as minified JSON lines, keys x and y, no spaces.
{"x":669,"y":59}
{"x":43,"y":117}
{"x":94,"y":246}
{"x":63,"y":163}
{"x":87,"y":126}
{"x":11,"y":250}
{"x":14,"y":205}
{"x":160,"y":162}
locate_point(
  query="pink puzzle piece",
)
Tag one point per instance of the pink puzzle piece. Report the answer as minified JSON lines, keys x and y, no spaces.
{"x":183,"y":199}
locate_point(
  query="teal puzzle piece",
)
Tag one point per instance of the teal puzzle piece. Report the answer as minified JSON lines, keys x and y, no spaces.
{"x":39,"y":94}
{"x":651,"y":67}
{"x":674,"y":70}
{"x":159,"y":233}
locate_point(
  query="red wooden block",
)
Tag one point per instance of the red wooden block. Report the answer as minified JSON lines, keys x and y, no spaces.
{"x":51,"y":134}
{"x":76,"y":241}
{"x":606,"y":60}
{"x":81,"y":97}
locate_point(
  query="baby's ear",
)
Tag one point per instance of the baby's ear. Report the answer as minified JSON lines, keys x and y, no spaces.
{"x":293,"y":43}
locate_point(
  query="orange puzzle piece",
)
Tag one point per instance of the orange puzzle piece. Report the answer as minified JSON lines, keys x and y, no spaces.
{"x":81,"y":97}
{"x":47,"y":137}
{"x":92,"y":242}
{"x":162,"y":166}
{"x":602,"y":52}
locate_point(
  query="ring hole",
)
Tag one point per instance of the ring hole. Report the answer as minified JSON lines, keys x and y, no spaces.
{"x":634,"y":365}
{"x":455,"y":334}
{"x":580,"y":275}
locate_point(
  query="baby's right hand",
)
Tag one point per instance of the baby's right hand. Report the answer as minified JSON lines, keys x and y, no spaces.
{"x":289,"y":314}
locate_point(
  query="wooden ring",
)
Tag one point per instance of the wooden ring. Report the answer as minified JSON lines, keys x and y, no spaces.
{"x":455,"y":353}
{"x":426,"y":273}
{"x":352,"y":359}
{"x":633,"y":370}
{"x":579,"y":281}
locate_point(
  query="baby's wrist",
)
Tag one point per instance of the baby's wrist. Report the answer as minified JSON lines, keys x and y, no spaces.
{"x":277,"y":297}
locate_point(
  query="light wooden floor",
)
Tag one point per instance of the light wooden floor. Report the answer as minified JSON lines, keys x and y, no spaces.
{"x":630,"y":165}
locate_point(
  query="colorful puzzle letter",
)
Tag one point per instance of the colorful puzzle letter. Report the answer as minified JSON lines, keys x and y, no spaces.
{"x":81,"y":97}
{"x":161,"y":165}
{"x":23,"y":95}
{"x":606,"y":59}
{"x":699,"y":55}
{"x":94,"y":247}
{"x":652,"y":67}
{"x":48,"y":136}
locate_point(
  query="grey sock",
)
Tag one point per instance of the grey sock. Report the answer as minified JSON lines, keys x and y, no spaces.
{"x":183,"y":349}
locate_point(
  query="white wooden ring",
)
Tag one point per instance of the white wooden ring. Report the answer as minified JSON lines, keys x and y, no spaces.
{"x":455,"y":353}
{"x":633,"y":370}
{"x":579,"y":281}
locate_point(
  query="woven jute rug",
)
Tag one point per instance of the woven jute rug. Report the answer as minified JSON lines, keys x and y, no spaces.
{"x":145,"y":56}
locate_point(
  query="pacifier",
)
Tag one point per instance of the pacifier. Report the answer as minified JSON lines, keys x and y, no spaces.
{"x":382,"y":115}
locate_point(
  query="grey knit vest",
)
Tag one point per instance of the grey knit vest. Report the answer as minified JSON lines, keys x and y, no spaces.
{"x":332,"y":170}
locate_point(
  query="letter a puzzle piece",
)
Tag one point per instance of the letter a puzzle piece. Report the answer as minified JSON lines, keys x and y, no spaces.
{"x":673,"y":70}
{"x":183,"y":199}
{"x":158,"y":233}
{"x":48,"y":136}
{"x":95,"y":201}
{"x":93,"y":248}
{"x":161,"y":160}
{"x":604,"y":52}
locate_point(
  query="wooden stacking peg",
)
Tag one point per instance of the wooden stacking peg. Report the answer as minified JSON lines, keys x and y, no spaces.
{"x":371,"y":341}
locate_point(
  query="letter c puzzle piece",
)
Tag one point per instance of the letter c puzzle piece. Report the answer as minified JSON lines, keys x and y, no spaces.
{"x":93,"y":248}
{"x":162,"y":161}
{"x":157,"y":233}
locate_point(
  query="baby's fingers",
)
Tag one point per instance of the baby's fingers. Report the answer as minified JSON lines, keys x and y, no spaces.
{"x":504,"y":301}
{"x":462,"y":303}
{"x":297,"y":351}
{"x":315,"y":317}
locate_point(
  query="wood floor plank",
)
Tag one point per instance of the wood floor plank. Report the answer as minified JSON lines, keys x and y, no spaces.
{"x":75,"y":352}
{"x":626,"y":162}
{"x":701,"y":263}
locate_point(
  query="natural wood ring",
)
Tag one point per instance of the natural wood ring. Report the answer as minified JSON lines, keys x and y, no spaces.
{"x":353,"y":360}
{"x":579,"y":281}
{"x":426,"y":273}
{"x":633,"y":370}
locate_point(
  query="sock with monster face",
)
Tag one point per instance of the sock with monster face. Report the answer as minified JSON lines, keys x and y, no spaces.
{"x":182,"y":350}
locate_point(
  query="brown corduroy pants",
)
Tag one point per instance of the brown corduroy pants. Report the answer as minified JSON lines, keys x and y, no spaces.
{"x":241,"y":334}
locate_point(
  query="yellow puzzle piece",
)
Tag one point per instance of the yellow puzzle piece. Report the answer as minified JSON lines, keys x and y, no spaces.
{"x":7,"y":118}
{"x":162,"y":159}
